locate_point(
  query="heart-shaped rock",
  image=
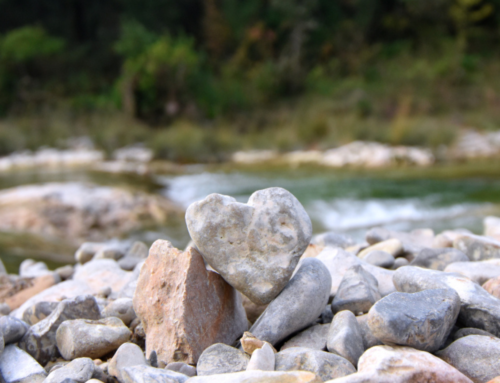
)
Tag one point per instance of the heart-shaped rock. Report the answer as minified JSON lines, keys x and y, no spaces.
{"x":254,"y":246}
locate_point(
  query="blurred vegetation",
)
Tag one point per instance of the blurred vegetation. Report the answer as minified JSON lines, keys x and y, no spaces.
{"x":197,"y":79}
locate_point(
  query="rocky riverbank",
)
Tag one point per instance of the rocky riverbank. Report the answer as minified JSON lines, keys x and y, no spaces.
{"x":256,"y":298}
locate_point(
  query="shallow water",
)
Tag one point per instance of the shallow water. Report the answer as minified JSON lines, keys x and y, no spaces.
{"x":345,"y":201}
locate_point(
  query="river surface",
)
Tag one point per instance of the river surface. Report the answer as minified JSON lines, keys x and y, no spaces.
{"x":344,"y":201}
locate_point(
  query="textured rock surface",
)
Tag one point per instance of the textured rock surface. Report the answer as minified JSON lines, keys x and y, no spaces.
{"x":385,"y":364}
{"x":334,"y":239}
{"x":493,"y":286}
{"x":32,"y":269}
{"x":122,"y":308}
{"x":40,"y":340}
{"x":127,"y":355}
{"x":369,"y":339}
{"x":466,"y":331}
{"x":476,"y":356}
{"x":254,"y":246}
{"x":298,"y":305}
{"x":260,"y":377}
{"x":421,"y":320}
{"x":344,"y":337}
{"x":357,"y":292}
{"x":184,"y":307}
{"x":147,"y":374}
{"x":137,"y":253}
{"x":379,"y":258}
{"x":262,"y":359}
{"x":220,"y":359}
{"x":80,"y":370}
{"x":40,"y":310}
{"x":16,"y":366}
{"x":12,"y":329}
{"x":326,"y":365}
{"x":182,"y":368}
{"x":314,"y":337}
{"x":478,"y":308}
{"x":478,"y":272}
{"x":438,"y":259}
{"x":477,"y":248}
{"x":102,"y":273}
{"x":90,"y":338}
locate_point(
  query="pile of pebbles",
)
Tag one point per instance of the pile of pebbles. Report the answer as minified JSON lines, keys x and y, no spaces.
{"x":256,"y":298}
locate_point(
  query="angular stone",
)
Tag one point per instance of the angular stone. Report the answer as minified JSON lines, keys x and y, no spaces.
{"x":314,"y":337}
{"x":379,"y":258}
{"x":493,"y":286}
{"x":475,"y":356}
{"x":324,"y":364}
{"x":147,"y":374}
{"x":30,"y":288}
{"x":12,"y":329}
{"x":127,"y":355}
{"x":259,"y":377}
{"x":392,"y":246}
{"x":184,"y":307}
{"x":420,"y":320}
{"x":182,"y":368}
{"x":79,"y":370}
{"x":40,"y":340}
{"x":478,"y":308}
{"x":137,"y":253}
{"x":385,"y":364}
{"x":262,"y":359}
{"x":17,"y":366}
{"x":298,"y":305}
{"x":102,"y":273}
{"x":91,"y":338}
{"x":357,"y":292}
{"x":337,"y":261}
{"x":122,"y":308}
{"x":344,"y":337}
{"x":39,"y":311}
{"x":478,"y":248}
{"x":249,"y":343}
{"x":254,"y":246}
{"x":221,"y":359}
{"x":478,"y":272}
{"x":369,"y":339}
{"x":438,"y":259}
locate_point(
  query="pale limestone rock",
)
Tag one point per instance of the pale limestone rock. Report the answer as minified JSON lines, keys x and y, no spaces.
{"x":314,"y":337}
{"x":102,"y":273}
{"x":392,"y":246}
{"x":259,"y":377}
{"x":17,"y":366}
{"x":262,"y":359}
{"x":127,"y":355}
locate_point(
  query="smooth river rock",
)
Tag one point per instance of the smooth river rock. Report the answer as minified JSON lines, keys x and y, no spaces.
{"x":476,"y":356}
{"x":17,"y":366}
{"x":379,"y":258}
{"x":392,"y":246}
{"x":438,"y":259}
{"x":493,"y":286}
{"x":478,"y":308}
{"x":12,"y":329}
{"x":314,"y":337}
{"x":79,"y":370}
{"x":478,"y":272}
{"x":127,"y":355}
{"x":385,"y":364}
{"x":184,"y":307}
{"x":262,"y":359}
{"x":477,"y":248}
{"x":221,"y":359}
{"x":298,"y":305}
{"x":122,"y":308}
{"x":254,"y":246}
{"x":344,"y":337}
{"x":259,"y":377}
{"x":147,"y":374}
{"x":420,"y":320}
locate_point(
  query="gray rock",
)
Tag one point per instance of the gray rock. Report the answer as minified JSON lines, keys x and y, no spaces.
{"x":357,"y":292}
{"x":110,"y":252}
{"x":337,"y":261}
{"x":32,"y":269}
{"x":122,"y":308}
{"x":344,"y":337}
{"x":79,"y":370}
{"x":39,"y":311}
{"x":466,"y":331}
{"x":3,"y":270}
{"x":17,"y":366}
{"x":400,"y":262}
{"x":254,"y":246}
{"x":476,"y":356}
{"x":4,"y":307}
{"x":420,"y":320}
{"x":13,"y":329}
{"x":314,"y":337}
{"x":182,"y":368}
{"x":415,"y":238}
{"x":438,"y":259}
{"x":478,"y":272}
{"x":379,"y":258}
{"x":2,"y":343}
{"x":477,"y":248}
{"x":127,"y":355}
{"x":137,"y":253}
{"x":262,"y":359}
{"x":260,"y":377}
{"x":298,"y":305}
{"x":40,"y":340}
{"x":478,"y":309}
{"x":369,"y":339}
{"x":65,"y":272}
{"x":147,"y":374}
{"x":327,"y":315}
{"x":333,"y":239}
{"x":447,"y":237}
{"x":326,"y":365}
{"x":392,"y":246}
{"x":91,"y":338}
{"x":221,"y":359}
{"x":87,"y":250}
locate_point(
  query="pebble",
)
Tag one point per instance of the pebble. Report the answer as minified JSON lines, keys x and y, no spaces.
{"x":476,"y":356}
{"x":438,"y":259}
{"x":17,"y":366}
{"x":421,"y":320}
{"x":91,"y":338}
{"x":260,"y":377}
{"x":314,"y":337}
{"x":146,"y":374}
{"x":182,"y":368}
{"x":357,"y":292}
{"x":137,"y":253}
{"x":493,"y":286}
{"x":235,"y":239}
{"x":79,"y":370}
{"x":12,"y":329}
{"x":324,"y":364}
{"x":392,"y":246}
{"x":400,"y":262}
{"x":466,"y":331}
{"x":344,"y":337}
{"x":40,"y":340}
{"x":333,"y":239}
{"x":4,"y":308}
{"x":122,"y":308}
{"x":379,"y":258}
{"x":101,"y":273}
{"x":39,"y":311}
{"x":207,"y":309}
{"x":86,"y":251}
{"x":369,"y":339}
{"x":385,"y":364}
{"x":221,"y":359}
{"x":479,"y":272}
{"x":32,"y":269}
{"x":262,"y":359}
{"x":298,"y":305}
{"x":478,"y":248}
{"x":127,"y":355}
